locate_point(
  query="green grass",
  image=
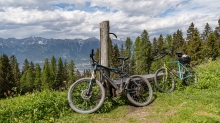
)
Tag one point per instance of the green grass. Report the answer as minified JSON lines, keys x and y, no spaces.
{"x":185,"y":105}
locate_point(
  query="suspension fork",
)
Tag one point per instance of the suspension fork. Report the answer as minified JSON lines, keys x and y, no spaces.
{"x":90,"y":84}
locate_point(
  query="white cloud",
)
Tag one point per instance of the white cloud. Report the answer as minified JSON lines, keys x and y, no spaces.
{"x":81,"y":18}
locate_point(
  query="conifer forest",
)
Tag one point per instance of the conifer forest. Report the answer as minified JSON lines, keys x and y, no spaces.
{"x":56,"y":74}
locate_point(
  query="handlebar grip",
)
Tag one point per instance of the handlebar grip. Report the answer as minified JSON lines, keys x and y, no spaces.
{"x":113,"y":34}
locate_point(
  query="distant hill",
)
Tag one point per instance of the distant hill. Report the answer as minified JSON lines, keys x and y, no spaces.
{"x":36,"y":49}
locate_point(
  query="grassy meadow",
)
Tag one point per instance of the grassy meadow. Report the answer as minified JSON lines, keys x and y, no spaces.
{"x":199,"y":104}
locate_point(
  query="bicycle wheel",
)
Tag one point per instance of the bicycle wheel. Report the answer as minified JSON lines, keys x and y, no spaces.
{"x":164,"y":81}
{"x":190,"y":76}
{"x":139,"y":90}
{"x":82,"y":103}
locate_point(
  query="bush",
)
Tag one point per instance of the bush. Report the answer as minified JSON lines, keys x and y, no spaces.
{"x":208,"y":75}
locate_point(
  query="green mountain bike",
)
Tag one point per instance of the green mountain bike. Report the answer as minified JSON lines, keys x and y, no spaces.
{"x":164,"y":77}
{"x":87,"y":95}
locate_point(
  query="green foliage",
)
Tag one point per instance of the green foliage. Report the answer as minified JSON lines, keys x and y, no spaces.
{"x":211,"y":48}
{"x":209,"y":75}
{"x":6,"y":77}
{"x":195,"y":49}
{"x":36,"y":107}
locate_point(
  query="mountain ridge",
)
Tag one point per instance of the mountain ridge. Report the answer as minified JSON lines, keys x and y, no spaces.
{"x":37,"y":49}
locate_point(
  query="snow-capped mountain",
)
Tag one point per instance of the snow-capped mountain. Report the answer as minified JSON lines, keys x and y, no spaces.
{"x":37,"y":49}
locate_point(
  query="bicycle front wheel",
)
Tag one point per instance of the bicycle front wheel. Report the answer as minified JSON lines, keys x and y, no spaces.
{"x":190,"y":76}
{"x":84,"y":101}
{"x":164,"y":80}
{"x":139,"y":90}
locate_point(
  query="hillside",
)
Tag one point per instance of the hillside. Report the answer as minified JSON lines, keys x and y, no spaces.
{"x":185,"y":104}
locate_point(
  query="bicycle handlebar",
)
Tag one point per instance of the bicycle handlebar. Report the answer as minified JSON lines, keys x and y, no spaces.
{"x":162,"y":54}
{"x":113,"y":34}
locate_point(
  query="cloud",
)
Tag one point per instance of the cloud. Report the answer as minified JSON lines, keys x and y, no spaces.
{"x":81,"y":18}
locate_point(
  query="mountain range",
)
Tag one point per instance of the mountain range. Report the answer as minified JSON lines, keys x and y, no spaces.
{"x":37,"y":49}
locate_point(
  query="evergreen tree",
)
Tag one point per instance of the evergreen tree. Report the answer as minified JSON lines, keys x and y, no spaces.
{"x":195,"y":48}
{"x":60,"y":72}
{"x":190,"y":32}
{"x":37,"y":80}
{"x":65,"y":75}
{"x":137,"y":55}
{"x":212,"y":46}
{"x":25,"y":66}
{"x":78,"y":74}
{"x":178,"y":42}
{"x":15,"y":72}
{"x":115,"y":60}
{"x":160,"y":44}
{"x":154,"y":47}
{"x":32,"y":66}
{"x":72,"y":76}
{"x":217,"y":34}
{"x":128,"y":53}
{"x":168,"y":44}
{"x":128,"y":47}
{"x":53,"y":72}
{"x":29,"y":84}
{"x":122,"y":51}
{"x":97,"y":54}
{"x":146,"y":59}
{"x":206,"y":32}
{"x":45,"y":78}
{"x":6,"y":76}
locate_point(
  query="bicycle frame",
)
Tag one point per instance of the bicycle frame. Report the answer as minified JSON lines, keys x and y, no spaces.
{"x":101,"y":69}
{"x":181,"y":70}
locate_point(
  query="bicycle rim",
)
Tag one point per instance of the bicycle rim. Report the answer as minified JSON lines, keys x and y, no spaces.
{"x":164,"y":81}
{"x":191,"y":77}
{"x":78,"y":99}
{"x":139,"y":91}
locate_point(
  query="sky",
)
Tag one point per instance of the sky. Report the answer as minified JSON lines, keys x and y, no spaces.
{"x":70,"y":19}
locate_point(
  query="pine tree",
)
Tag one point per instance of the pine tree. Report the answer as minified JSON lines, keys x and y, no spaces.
{"x":72,"y":76}
{"x":25,"y":66}
{"x":195,"y":48}
{"x":154,"y":47}
{"x":60,"y":72}
{"x":128,"y":53}
{"x":128,"y":47}
{"x":15,"y":72}
{"x":160,"y":44}
{"x":45,"y":78}
{"x":190,"y":32}
{"x":78,"y":74}
{"x":53,"y":72}
{"x":137,"y":55}
{"x":212,"y":46}
{"x":6,"y":76}
{"x":178,"y":42}
{"x":122,"y":51}
{"x":65,"y":75}
{"x":29,"y":84}
{"x":146,"y":59}
{"x":168,"y":44}
{"x":206,"y":32}
{"x":97,"y":54}
{"x":217,"y":34}
{"x":37,"y":80}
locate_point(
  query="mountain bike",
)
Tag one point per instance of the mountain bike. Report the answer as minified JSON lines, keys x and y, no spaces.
{"x":87,"y":95}
{"x":181,"y":69}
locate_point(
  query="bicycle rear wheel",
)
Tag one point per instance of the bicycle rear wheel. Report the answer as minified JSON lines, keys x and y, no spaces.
{"x":82,"y":102}
{"x":164,"y":81}
{"x":190,"y":76}
{"x":139,"y":90}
